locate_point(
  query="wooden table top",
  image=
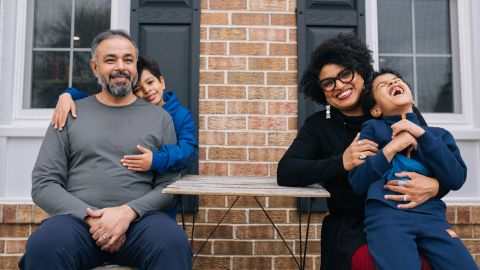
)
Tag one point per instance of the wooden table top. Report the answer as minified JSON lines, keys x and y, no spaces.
{"x":241,"y":186}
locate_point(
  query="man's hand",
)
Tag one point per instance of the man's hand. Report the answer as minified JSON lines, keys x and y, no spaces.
{"x":65,"y":104}
{"x":117,"y":245}
{"x":138,"y":163}
{"x":417,"y":190}
{"x":406,"y":125}
{"x":111,"y":226}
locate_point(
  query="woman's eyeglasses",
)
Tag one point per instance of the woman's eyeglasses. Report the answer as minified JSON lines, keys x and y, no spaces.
{"x":345,"y":76}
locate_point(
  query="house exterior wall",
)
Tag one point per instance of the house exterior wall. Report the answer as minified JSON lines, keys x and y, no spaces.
{"x":247,"y":119}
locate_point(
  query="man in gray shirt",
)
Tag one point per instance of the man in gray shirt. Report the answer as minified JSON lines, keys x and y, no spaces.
{"x":101,"y":211}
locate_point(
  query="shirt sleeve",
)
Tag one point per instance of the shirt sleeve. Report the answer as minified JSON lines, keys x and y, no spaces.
{"x":50,"y":177}
{"x":75,"y":93}
{"x":372,"y":169}
{"x":155,"y":200}
{"x":443,"y":157}
{"x":301,"y":165}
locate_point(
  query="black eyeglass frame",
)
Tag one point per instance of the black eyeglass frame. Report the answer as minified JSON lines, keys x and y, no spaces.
{"x":338,"y":77}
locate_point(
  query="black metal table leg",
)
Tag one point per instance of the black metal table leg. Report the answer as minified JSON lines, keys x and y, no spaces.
{"x":195,"y":202}
{"x":183,"y":213}
{"x":278,"y":231}
{"x":214,"y":229}
{"x":300,"y":231}
{"x":307,"y":233}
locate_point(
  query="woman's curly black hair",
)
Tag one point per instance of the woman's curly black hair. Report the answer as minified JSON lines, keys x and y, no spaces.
{"x":367,"y":99}
{"x":345,"y":50}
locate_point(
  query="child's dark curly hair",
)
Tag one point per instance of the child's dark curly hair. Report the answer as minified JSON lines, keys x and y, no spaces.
{"x":367,"y":99}
{"x":345,"y":50}
{"x":150,"y":65}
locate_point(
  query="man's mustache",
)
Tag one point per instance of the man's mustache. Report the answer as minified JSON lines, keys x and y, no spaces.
{"x":119,"y":74}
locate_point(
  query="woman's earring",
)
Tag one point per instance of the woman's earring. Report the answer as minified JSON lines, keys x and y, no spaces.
{"x":327,"y":108}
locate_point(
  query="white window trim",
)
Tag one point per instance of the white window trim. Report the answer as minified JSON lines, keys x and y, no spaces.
{"x":461,"y":124}
{"x":25,"y":119}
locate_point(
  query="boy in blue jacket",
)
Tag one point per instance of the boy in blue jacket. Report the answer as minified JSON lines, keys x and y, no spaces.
{"x":394,"y":235}
{"x":150,"y":87}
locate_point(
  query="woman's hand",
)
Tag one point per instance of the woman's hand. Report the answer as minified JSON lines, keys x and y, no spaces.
{"x":65,"y":104}
{"x":357,"y":152}
{"x":417,"y":190}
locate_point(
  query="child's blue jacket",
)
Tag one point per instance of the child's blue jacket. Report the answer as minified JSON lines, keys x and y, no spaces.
{"x":171,"y":157}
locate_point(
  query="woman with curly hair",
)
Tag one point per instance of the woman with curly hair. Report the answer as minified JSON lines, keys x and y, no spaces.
{"x":327,"y":148}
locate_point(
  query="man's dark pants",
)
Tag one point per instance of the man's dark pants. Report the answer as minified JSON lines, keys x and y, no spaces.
{"x":63,"y":242}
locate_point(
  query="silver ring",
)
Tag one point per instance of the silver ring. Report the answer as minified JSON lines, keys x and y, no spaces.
{"x":405,"y":198}
{"x":104,"y":237}
{"x":362,"y":156}
{"x":401,"y":183}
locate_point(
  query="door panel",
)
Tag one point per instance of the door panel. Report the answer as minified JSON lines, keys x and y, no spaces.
{"x":169,"y":33}
{"x":318,"y":20}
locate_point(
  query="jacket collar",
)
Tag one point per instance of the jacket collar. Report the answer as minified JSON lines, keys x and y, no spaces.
{"x":412,"y":117}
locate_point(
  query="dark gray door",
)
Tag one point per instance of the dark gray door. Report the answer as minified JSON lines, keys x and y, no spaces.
{"x":168,"y":31}
{"x":318,"y":20}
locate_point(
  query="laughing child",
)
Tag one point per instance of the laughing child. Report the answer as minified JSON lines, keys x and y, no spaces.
{"x":395,"y":236}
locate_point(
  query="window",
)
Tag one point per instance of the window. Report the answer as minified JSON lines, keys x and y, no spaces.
{"x":58,"y":52}
{"x":416,"y":38}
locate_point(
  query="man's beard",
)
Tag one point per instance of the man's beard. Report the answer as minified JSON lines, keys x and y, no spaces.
{"x":119,"y":89}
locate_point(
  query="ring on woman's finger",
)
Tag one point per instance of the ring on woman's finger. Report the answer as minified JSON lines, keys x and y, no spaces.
{"x":405,"y":198}
{"x":401,"y":183}
{"x":362,"y":156}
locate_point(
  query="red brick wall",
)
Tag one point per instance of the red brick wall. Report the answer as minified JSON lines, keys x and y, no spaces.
{"x":248,"y":117}
{"x":248,"y":101}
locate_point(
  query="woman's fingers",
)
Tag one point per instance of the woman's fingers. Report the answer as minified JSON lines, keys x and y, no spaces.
{"x":367,"y":147}
{"x":397,"y":198}
{"x":367,"y":142}
{"x":402,"y":183}
{"x":409,"y":205}
{"x":395,"y":188}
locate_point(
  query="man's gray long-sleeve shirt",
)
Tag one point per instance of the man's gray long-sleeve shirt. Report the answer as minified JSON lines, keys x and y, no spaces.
{"x":80,"y":166}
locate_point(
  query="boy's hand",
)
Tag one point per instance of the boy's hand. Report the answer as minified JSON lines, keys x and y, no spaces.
{"x":406,"y":125}
{"x":401,"y":141}
{"x":65,"y":105}
{"x":138,"y":163}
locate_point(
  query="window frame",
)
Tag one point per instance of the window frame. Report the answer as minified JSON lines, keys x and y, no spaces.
{"x":119,"y":19}
{"x":462,"y":51}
